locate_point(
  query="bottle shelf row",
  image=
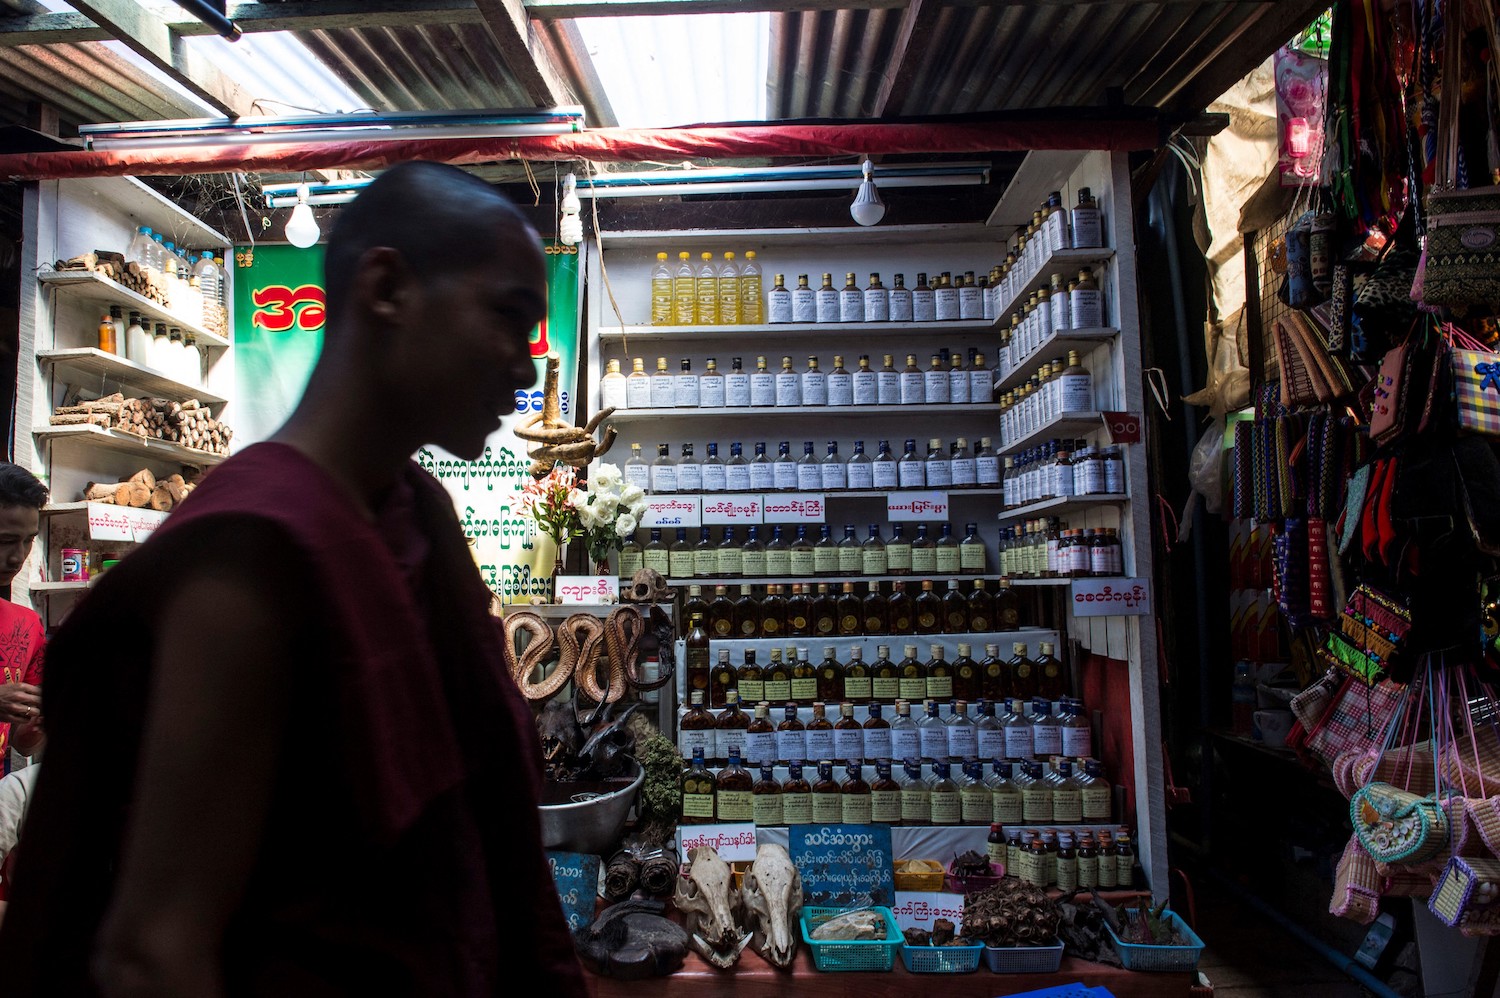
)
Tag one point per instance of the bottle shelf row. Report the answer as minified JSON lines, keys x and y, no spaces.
{"x":97,"y":370}
{"x":86,"y":286}
{"x":789,"y":330}
{"x":1063,"y":261}
{"x":1060,"y":342}
{"x":1067,"y":424}
{"x":987,"y":410}
{"x":1061,"y":505}
{"x":761,"y":580}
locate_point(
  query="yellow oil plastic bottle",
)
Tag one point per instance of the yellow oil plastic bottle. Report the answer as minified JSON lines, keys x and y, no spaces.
{"x":706,"y":303}
{"x":661,"y":292}
{"x":752,"y":307}
{"x":684,"y":291}
{"x":729,"y":291}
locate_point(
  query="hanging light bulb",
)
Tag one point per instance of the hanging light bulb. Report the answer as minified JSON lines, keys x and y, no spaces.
{"x":570,"y":228}
{"x":867,"y":208}
{"x":302,"y":229}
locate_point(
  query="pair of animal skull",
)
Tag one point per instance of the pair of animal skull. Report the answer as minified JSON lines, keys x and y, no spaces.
{"x":721,"y":920}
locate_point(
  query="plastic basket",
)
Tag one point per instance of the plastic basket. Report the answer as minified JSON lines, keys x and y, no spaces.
{"x":941,"y":959}
{"x":977,"y":882}
{"x":1138,"y":956}
{"x":1024,"y":959}
{"x":872,"y":954}
{"x":930,"y":881}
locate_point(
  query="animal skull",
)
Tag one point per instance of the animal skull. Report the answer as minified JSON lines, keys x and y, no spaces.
{"x":710,"y":905}
{"x":773,"y":901}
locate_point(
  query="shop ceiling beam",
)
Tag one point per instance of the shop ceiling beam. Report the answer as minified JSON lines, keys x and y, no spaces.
{"x":514,"y":35}
{"x":554,"y":9}
{"x":918,"y":25}
{"x":150,"y":37}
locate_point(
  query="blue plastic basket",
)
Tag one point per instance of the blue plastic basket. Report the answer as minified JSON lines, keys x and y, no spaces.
{"x":941,"y":959}
{"x":873,"y":954}
{"x":1138,"y":956}
{"x":1024,"y":959}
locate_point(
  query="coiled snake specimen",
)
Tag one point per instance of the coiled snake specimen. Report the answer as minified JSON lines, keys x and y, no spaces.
{"x":534,"y":657}
{"x":580,"y":642}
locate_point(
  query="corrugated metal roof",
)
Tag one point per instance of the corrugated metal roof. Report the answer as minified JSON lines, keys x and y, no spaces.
{"x":87,"y":82}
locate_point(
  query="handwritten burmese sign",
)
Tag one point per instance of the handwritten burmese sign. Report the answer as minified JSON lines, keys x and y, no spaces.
{"x":843,"y":866}
{"x":577,"y":878}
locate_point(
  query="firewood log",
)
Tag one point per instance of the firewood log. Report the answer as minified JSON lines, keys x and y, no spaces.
{"x":81,"y":419}
{"x":161,"y":499}
{"x":145,"y":477}
{"x":112,"y":492}
{"x":140,"y":496}
{"x":174,"y":489}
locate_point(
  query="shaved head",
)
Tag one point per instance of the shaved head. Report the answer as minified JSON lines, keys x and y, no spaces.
{"x":437,"y":217}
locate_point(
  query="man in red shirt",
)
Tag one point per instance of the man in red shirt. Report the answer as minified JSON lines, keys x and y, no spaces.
{"x":21,"y":633}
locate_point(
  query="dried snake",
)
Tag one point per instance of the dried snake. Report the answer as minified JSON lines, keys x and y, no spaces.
{"x":582,"y":637}
{"x":535,"y":656}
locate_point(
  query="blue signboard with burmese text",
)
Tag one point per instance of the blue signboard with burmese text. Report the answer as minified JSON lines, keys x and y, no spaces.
{"x":577,"y":878}
{"x":843,"y":866}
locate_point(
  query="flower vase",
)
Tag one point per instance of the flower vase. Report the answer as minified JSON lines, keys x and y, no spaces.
{"x":559,"y":569}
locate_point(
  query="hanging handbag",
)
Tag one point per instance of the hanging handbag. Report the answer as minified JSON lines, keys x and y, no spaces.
{"x":1462,"y":264}
{"x":1476,"y":382}
{"x":1398,"y":826}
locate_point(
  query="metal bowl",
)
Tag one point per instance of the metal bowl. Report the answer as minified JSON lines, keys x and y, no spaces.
{"x":592,"y":825}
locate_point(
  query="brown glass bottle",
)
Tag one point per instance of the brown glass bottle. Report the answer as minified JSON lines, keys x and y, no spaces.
{"x":778,"y":679}
{"x":913,"y":676}
{"x":796,"y":796}
{"x":696,"y":655}
{"x":929,"y":610}
{"x":1052,"y":682}
{"x":746,"y":613}
{"x":981,"y":608}
{"x":760,"y":738}
{"x":791,"y":734}
{"x":695,"y":604}
{"x":750,"y":680}
{"x":798,"y":613}
{"x":1021,"y":673}
{"x":857,"y":684}
{"x":848,"y":735}
{"x":733,"y":800}
{"x":885,"y":795}
{"x":731,"y":726}
{"x":900,"y":610}
{"x":721,"y":680}
{"x":967,"y":684}
{"x":873,"y":611}
{"x":994,"y":679}
{"x":856,"y":801}
{"x":804,"y":679}
{"x":850,"y":612}
{"x":830,"y":676}
{"x":955,"y":610}
{"x":1007,"y":608}
{"x":697,"y":786}
{"x":766,"y":808}
{"x":885,"y":676}
{"x":825,"y":613}
{"x":773,"y":614}
{"x":696,"y":728}
{"x":721,"y":614}
{"x":939,"y":676}
{"x":827,"y":796}
{"x":819,"y":733}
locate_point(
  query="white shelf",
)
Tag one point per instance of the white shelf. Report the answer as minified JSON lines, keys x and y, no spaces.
{"x":836,"y":235}
{"x":695,"y":334}
{"x":142,"y":205}
{"x":1060,"y":505}
{"x":88,"y":286}
{"x":90,"y":366}
{"x":128,"y":443}
{"x":50,"y":588}
{"x":836,"y":580}
{"x":1082,"y":340}
{"x":1065,"y":425}
{"x":1066,"y":262}
{"x":982,"y":409}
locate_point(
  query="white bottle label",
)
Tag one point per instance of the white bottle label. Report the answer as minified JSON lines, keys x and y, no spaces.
{"x":1046,"y":737}
{"x":913,"y":388}
{"x":958,"y":387}
{"x":711,"y":391}
{"x":1078,"y":741}
{"x":689,"y":477}
{"x":737,"y":389}
{"x":901,"y":307}
{"x":613,"y":392}
{"x":820,"y":743}
{"x":638,"y":475}
{"x":827,"y":304}
{"x":791,"y":744}
{"x":877,"y":305}
{"x":970,"y":302}
{"x":737,"y":477}
{"x":877,"y":743}
{"x":851,"y":306}
{"x":935,"y":387}
{"x":947,"y":304}
{"x":934,"y":738}
{"x":1062,"y":479}
{"x":963,"y":471}
{"x":788,"y":389}
{"x":923,"y":306}
{"x":809,"y":478}
{"x":760,"y":747}
{"x":848,"y":743}
{"x":1076,"y":392}
{"x":663,"y":478}
{"x":784,"y":476}
{"x":865,"y":386}
{"x":779,"y":306}
{"x":1057,"y":231}
{"x":991,"y":743}
{"x":1087,"y":308}
{"x":663,"y":391}
{"x":1099,"y":561}
{"x":906,"y":743}
{"x":804,"y":305}
{"x":762,"y":475}
{"x":713,"y":478}
{"x":884,"y":474}
{"x":860,"y":474}
{"x":1114,"y":474}
{"x":888,"y":387}
{"x":841,"y":389}
{"x":939,"y":474}
{"x":1087,"y":231}
{"x":704,"y":739}
{"x":685,"y":391}
{"x":963,"y":741}
{"x":981,"y":386}
{"x":1018,"y":741}
{"x":911,"y":473}
{"x":762,"y":388}
{"x":814,"y":388}
{"x":834,"y":479}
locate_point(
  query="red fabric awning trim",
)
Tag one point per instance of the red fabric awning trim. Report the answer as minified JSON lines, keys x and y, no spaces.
{"x":599,"y":145}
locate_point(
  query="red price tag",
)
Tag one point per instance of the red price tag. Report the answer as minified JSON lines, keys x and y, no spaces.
{"x":1123,"y":427}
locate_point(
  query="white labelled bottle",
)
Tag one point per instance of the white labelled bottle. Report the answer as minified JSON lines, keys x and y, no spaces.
{"x":714,"y":479}
{"x":826,"y":301}
{"x":986,"y":465}
{"x":1059,"y":234}
{"x":933,"y":733}
{"x":736,"y":470}
{"x":938,"y":470}
{"x":737,"y":385}
{"x":906,"y":737}
{"x":689,"y":472}
{"x":1060,"y":301}
{"x":663,"y":386}
{"x":1046,"y":733}
{"x":900,"y":307}
{"x":961,"y":467}
{"x":729,"y":292}
{"x":877,"y":737}
{"x":877,"y":301}
{"x":814,"y":384}
{"x":864,"y":384}
{"x":788,"y":385}
{"x":804,"y":301}
{"x":840,"y":384}
{"x":612,"y":387}
{"x":706,"y":291}
{"x":685,"y":387}
{"x":1075,"y":386}
{"x":1114,"y":471}
{"x":834,"y":477}
{"x":970,"y":299}
{"x":809,"y":473}
{"x":911,"y":470}
{"x":1086,"y":302}
{"x":887,"y":383}
{"x":958,"y":381}
{"x":945,"y":294}
{"x":752,"y":312}
{"x":1088,"y":230}
{"x":661,"y":292}
{"x":762,"y":385}
{"x":779,"y":302}
{"x":712,"y":391}
{"x":637,"y":472}
{"x":923,"y":301}
{"x":637,"y":386}
{"x":784,"y":469}
{"x":1018,"y":740}
{"x":884,"y":470}
{"x":851,"y":302}
{"x":981,"y":380}
{"x":137,"y":340}
{"x":663,"y":472}
{"x":935,"y":382}
{"x":859,"y":473}
{"x":762,"y":471}
{"x":913,"y":383}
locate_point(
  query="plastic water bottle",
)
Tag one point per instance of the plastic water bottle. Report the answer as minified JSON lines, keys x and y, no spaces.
{"x":210,"y":284}
{"x":157,"y":255}
{"x":139,"y":250}
{"x":1243,"y":697}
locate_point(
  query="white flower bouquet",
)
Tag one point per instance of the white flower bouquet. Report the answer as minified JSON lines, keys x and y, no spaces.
{"x":609,"y":513}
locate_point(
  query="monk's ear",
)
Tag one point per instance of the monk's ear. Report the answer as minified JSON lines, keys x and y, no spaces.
{"x":384,"y":285}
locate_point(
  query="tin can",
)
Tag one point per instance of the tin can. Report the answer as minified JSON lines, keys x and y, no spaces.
{"x":75,"y":565}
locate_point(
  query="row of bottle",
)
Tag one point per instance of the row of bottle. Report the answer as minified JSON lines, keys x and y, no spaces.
{"x":192,"y":282}
{"x":947,"y":299}
{"x":1005,"y":796}
{"x":804,"y":558}
{"x":1064,"y":858}
{"x":1057,"y":389}
{"x":950,"y":467}
{"x":1028,"y":730}
{"x":165,"y":349}
{"x":1045,"y":548}
{"x":1051,"y":228}
{"x":826,"y":614}
{"x":1061,"y":469}
{"x":947,"y":380}
{"x":708,"y":293}
{"x":1064,"y":306}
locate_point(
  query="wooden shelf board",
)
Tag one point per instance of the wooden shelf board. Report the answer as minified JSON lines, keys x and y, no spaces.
{"x":1061,"y":342}
{"x":128,"y":443}
{"x":1060,"y":426}
{"x":1061,"y":504}
{"x":790,"y":330}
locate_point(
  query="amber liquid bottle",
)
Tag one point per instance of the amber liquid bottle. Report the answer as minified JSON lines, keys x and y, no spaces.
{"x":820,"y":734}
{"x":939,"y":676}
{"x":857,"y":683}
{"x":804,"y":679}
{"x":825,"y":613}
{"x":885,"y":795}
{"x":856,"y":800}
{"x":766,"y":807}
{"x":1022,"y":673}
{"x":750,"y":680}
{"x":723,"y":678}
{"x":695,"y":605}
{"x":746,"y":614}
{"x":830,"y":676}
{"x":778,"y":679}
{"x":1052,"y":683}
{"x":733,"y":800}
{"x":697,"y":786}
{"x":885,"y":676}
{"x":981,"y":608}
{"x":874,"y":611}
{"x":913,"y":676}
{"x":760,"y":738}
{"x":850,"y":612}
{"x":773,"y":614}
{"x":697,"y":728}
{"x":994,"y":679}
{"x":848,"y":735}
{"x":796,"y":796}
{"x":721,"y":614}
{"x":955,"y":610}
{"x":1007,"y":608}
{"x":900,"y":611}
{"x":698,"y":666}
{"x":929,"y":610}
{"x":827,"y":795}
{"x":798,"y":613}
{"x":967,"y":684}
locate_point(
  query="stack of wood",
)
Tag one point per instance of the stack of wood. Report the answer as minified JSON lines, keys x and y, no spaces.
{"x":144,"y":281}
{"x":141,"y":490}
{"x":189,"y":423}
